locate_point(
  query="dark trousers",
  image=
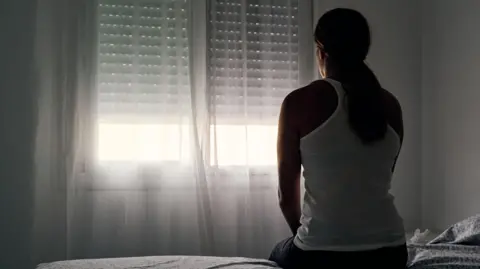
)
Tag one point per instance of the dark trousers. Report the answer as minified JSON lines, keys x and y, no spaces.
{"x":289,"y":256}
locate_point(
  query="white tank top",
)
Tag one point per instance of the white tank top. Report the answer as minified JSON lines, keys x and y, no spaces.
{"x":347,"y":204}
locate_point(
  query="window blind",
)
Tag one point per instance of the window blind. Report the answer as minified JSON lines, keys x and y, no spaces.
{"x":253,"y":58}
{"x":143,"y":59}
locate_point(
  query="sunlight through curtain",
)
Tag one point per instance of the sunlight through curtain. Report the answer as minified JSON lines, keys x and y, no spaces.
{"x":175,"y":147}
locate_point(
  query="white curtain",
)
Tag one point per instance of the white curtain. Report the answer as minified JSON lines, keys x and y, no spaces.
{"x":157,"y":124}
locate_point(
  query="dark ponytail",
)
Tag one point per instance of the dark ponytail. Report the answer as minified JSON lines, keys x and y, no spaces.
{"x":366,"y":112}
{"x":344,"y":35}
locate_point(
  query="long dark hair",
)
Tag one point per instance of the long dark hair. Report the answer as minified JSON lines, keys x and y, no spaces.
{"x":344,"y":36}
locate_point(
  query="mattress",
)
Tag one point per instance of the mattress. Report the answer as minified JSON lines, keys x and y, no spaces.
{"x":163,"y":262}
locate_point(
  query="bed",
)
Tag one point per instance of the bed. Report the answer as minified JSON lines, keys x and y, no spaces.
{"x":163,"y":262}
{"x":457,"y":247}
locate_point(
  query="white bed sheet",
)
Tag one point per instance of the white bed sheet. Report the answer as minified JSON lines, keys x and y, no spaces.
{"x":163,"y":262}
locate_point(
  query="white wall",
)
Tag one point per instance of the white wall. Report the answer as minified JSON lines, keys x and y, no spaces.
{"x":17,"y":125}
{"x":450,"y":108}
{"x":396,"y":59}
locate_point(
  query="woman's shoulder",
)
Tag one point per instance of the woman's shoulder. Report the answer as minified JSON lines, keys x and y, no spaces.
{"x":390,"y":97}
{"x":391,"y":103}
{"x":316,"y":89}
{"x":319,"y":96}
{"x":311,"y":105}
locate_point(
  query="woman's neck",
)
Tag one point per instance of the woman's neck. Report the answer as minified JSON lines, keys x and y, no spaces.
{"x":333,"y":73}
{"x":338,"y":72}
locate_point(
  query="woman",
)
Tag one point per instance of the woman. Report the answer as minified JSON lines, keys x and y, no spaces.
{"x":346,"y":131}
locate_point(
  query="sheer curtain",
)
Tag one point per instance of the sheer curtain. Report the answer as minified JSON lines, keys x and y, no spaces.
{"x":160,"y":124}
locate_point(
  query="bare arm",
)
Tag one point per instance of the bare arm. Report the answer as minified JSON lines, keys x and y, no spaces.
{"x":395,"y":119}
{"x":289,"y":166}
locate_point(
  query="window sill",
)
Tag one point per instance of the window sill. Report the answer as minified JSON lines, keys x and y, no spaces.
{"x":173,"y":175}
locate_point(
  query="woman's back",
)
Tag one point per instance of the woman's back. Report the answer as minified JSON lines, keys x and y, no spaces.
{"x":347,"y":204}
{"x":346,"y":131}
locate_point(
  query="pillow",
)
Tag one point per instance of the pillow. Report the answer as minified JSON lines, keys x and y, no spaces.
{"x":421,"y":238}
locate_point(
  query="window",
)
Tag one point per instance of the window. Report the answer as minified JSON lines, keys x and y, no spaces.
{"x":144,"y":86}
{"x":253,"y":66}
{"x":254,"y":57}
{"x":143,"y":80}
